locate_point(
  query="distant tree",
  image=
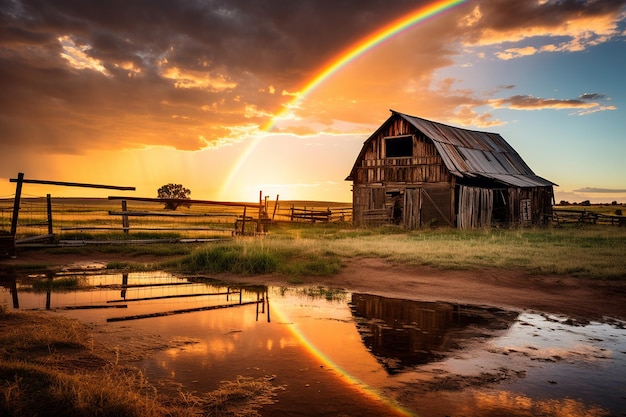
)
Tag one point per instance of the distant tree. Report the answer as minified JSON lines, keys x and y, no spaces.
{"x":585,"y":203}
{"x":175,"y":192}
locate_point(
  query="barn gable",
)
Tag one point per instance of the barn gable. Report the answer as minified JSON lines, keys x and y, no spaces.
{"x":415,"y":172}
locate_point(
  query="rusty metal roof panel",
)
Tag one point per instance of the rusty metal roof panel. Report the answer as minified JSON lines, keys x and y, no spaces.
{"x":453,"y":160}
{"x":522,"y":181}
{"x":470,"y":153}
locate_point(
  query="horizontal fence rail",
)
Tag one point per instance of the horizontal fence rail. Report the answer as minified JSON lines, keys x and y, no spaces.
{"x":88,"y":218}
{"x":586,"y":216}
{"x":44,"y":220}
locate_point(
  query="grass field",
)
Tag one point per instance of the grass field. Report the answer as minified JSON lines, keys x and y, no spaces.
{"x":298,"y":248}
{"x":589,"y":251}
{"x":99,"y":218}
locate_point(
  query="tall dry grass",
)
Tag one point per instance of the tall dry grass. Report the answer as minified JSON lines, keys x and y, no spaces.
{"x":50,"y":366}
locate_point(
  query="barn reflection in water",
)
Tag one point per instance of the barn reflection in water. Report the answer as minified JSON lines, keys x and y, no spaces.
{"x":404,"y":333}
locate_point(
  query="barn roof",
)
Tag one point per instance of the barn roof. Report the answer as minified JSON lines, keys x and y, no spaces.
{"x":473,"y":154}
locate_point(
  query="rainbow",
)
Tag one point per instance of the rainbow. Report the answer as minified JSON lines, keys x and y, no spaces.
{"x":344,"y":58}
{"x":361,"y":387}
{"x":362,"y":46}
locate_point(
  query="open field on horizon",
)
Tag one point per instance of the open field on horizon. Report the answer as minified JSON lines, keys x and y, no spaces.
{"x":84,"y":218}
{"x":299,"y":248}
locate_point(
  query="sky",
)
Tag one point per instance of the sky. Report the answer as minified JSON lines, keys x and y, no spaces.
{"x":233,"y":98}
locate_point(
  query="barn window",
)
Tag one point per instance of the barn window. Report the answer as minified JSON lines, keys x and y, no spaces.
{"x":399,"y":146}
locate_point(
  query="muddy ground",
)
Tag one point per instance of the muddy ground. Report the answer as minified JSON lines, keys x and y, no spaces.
{"x":577,"y":297}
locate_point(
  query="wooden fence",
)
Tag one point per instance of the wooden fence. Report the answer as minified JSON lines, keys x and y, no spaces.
{"x":291,"y":212}
{"x":235,"y":220}
{"x":560,"y":216}
{"x":46,"y":220}
{"x":71,"y":219}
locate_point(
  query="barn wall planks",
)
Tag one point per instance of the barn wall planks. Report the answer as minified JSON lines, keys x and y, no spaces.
{"x":420,"y":187}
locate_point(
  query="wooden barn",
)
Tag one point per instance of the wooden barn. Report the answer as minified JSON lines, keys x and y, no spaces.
{"x":416,"y":173}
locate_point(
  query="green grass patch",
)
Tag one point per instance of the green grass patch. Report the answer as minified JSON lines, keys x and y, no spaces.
{"x":232,"y":258}
{"x":260,"y":256}
{"x":131,"y":266}
{"x":314,"y":266}
{"x":57,"y":284}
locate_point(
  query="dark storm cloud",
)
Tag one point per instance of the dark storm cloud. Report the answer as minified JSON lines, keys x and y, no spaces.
{"x":162,"y":72}
{"x":506,"y":15}
{"x":77,"y":75}
{"x":526,"y":102}
{"x":592,"y":96}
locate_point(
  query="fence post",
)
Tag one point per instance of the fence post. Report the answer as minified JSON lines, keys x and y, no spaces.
{"x":125,"y":222}
{"x":50,"y":231}
{"x":243,"y":222}
{"x":16,"y":210}
{"x":275,"y":207}
{"x":16,"y":203}
{"x":258,"y":225}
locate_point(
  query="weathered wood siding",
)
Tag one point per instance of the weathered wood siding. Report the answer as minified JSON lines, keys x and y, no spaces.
{"x":475,"y":207}
{"x":425,"y":166}
{"x":418,"y":190}
{"x":437,"y":205}
{"x":421,"y":205}
{"x":530,"y":205}
{"x":422,"y":179}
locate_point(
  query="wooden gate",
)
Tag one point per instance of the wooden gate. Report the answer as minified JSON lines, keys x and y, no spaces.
{"x":475,"y":207}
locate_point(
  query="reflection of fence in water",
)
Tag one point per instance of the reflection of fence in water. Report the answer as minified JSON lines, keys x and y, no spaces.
{"x":153,"y":295}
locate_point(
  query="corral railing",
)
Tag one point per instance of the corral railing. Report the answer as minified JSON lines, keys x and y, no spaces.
{"x":69,"y":219}
{"x":220,"y":216}
{"x":303,"y":212}
{"x":586,"y":216}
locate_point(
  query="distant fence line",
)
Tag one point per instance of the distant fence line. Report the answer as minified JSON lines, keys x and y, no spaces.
{"x":586,"y":216}
{"x":47,"y":219}
{"x":313,"y":214}
{"x":58,"y":219}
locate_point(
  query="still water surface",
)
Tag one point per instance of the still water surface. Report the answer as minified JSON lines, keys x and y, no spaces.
{"x":334,"y":352}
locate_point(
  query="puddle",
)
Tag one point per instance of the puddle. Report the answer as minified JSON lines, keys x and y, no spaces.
{"x":337,"y":353}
